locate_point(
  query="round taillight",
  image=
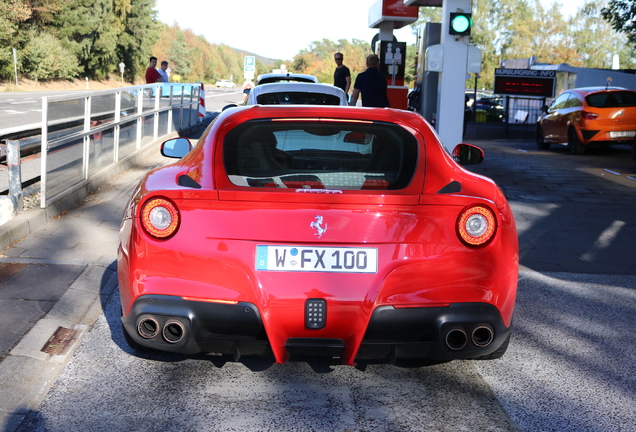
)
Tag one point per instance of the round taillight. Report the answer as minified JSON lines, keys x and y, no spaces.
{"x":476,"y":225}
{"x":160,"y":218}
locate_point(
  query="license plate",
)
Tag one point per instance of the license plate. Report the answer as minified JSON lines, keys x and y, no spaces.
{"x":317,"y":259}
{"x":622,"y":134}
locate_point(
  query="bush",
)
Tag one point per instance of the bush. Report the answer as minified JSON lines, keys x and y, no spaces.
{"x":44,"y":58}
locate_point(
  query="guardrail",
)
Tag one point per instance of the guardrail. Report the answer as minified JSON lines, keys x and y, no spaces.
{"x":83,"y":135}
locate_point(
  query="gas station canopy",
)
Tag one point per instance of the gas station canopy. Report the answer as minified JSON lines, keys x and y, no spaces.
{"x":392,"y":11}
{"x":430,"y":3}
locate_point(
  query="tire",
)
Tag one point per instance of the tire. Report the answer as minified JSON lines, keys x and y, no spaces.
{"x":634,"y":151}
{"x":541,"y":143}
{"x":574,"y":144}
{"x":497,"y":354}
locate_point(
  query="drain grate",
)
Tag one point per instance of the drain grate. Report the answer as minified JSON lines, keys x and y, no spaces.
{"x":60,"y":341}
{"x":8,"y":270}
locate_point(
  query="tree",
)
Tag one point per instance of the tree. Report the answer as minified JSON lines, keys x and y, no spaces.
{"x":595,"y":40}
{"x":12,"y":13}
{"x":134,"y":45}
{"x":89,"y":30}
{"x":622,"y":16}
{"x":46,"y":59}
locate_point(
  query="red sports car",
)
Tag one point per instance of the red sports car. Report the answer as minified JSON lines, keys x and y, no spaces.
{"x":321,"y":231}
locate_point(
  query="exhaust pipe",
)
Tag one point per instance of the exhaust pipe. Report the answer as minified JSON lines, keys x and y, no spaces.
{"x":148,"y":327}
{"x":456,"y":339}
{"x":483,"y":336}
{"x":173,"y":331}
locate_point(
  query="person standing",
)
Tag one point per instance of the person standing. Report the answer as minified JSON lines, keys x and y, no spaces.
{"x":372,"y":84}
{"x":152,"y":76}
{"x":342,"y":74}
{"x":163,"y":71}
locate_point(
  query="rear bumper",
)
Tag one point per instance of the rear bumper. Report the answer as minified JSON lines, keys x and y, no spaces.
{"x":458,"y":331}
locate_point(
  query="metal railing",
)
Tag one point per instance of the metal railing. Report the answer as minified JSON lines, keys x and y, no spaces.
{"x":85,"y":134}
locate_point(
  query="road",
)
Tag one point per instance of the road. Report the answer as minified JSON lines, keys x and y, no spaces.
{"x":25,"y":108}
{"x":21,"y":109}
{"x":570,"y":365}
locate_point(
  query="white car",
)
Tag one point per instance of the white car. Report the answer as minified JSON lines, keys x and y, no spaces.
{"x":296,"y":93}
{"x":225,"y":84}
{"x":285,"y":77}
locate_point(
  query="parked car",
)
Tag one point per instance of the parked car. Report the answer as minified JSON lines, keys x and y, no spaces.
{"x":285,"y":77}
{"x":589,"y":115}
{"x":287,"y":93}
{"x":225,"y":83}
{"x":324,"y":231}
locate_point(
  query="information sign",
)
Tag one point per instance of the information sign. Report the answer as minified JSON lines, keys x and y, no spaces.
{"x":525,"y":82}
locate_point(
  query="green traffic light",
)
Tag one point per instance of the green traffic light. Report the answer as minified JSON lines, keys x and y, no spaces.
{"x":460,"y":23}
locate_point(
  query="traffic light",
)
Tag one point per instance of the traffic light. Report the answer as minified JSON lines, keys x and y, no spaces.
{"x":460,"y":24}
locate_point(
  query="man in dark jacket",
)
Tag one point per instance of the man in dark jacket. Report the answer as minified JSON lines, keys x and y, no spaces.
{"x":372,"y":84}
{"x":342,"y":75}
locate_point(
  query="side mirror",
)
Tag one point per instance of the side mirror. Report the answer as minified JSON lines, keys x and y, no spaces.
{"x":246,"y":90}
{"x":176,"y":148}
{"x":229,"y":106}
{"x":544,"y":108}
{"x":467,"y":154}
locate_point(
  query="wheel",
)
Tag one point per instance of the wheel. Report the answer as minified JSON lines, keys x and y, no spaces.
{"x":541,"y":143}
{"x":497,"y":354}
{"x":574,"y":144}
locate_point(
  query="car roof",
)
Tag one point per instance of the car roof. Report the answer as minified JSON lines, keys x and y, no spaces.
{"x":301,"y":87}
{"x":317,"y":112}
{"x":586,"y":90}
{"x":276,"y":77}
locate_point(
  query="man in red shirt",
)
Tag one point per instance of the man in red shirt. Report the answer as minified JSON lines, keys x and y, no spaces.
{"x":152,"y":76}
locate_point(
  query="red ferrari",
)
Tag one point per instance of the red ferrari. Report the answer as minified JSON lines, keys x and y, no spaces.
{"x":319,"y":231}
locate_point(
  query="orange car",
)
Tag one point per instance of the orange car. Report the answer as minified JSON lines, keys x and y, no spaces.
{"x":589,"y":115}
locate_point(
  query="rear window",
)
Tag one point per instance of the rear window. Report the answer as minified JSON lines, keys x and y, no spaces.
{"x":615,"y":99}
{"x":277,"y":79}
{"x":302,"y":98}
{"x":320,"y":155}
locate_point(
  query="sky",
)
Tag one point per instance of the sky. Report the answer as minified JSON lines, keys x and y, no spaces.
{"x":279,"y":29}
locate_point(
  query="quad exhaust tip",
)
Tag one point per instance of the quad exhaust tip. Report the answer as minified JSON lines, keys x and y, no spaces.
{"x":173,"y":331}
{"x":148,"y":327}
{"x":482,"y":336}
{"x":456,"y":339}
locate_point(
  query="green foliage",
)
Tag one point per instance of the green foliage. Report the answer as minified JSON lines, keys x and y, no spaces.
{"x":91,"y":37}
{"x":621,"y":14}
{"x":317,"y":59}
{"x":12,"y":13}
{"x":141,"y":31}
{"x":44,"y":58}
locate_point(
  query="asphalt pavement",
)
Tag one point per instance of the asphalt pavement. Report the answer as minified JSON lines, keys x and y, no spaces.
{"x":58,"y":275}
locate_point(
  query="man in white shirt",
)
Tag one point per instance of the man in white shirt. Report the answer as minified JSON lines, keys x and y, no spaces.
{"x":163,"y":71}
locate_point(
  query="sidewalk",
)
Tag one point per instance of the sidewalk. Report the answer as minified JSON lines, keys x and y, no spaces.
{"x":55,"y":277}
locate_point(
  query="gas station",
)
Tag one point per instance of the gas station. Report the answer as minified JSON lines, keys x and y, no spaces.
{"x":443,"y":69}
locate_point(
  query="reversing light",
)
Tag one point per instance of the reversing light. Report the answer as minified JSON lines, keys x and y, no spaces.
{"x":476,"y":225}
{"x":160,"y":218}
